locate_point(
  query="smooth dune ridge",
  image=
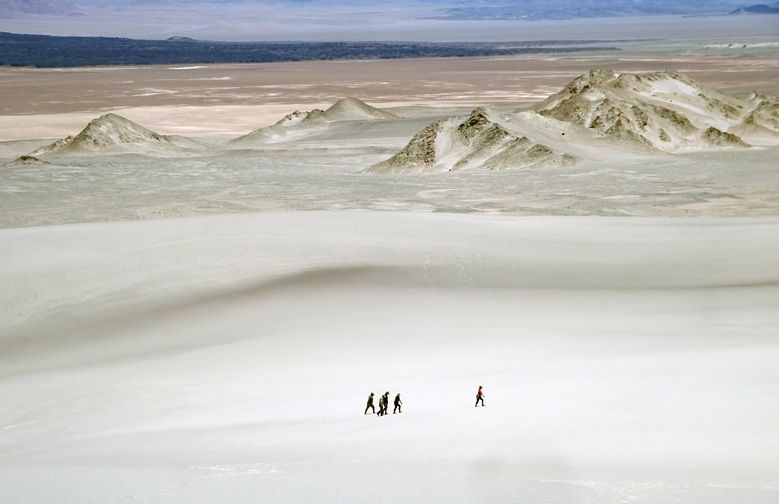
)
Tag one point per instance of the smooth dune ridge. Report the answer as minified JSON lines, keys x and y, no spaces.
{"x":237,"y":353}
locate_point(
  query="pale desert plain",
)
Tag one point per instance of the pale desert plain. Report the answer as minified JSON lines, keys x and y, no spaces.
{"x":200,"y":289}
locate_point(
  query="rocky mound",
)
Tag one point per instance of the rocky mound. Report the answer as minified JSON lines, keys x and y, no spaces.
{"x":112,"y":133}
{"x":28,"y":160}
{"x":762,"y":118}
{"x":298,"y":124}
{"x":480,"y":142}
{"x":667,"y":111}
{"x":351,"y":109}
{"x":596,"y":116}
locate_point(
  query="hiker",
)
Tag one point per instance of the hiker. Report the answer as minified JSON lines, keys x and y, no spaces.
{"x":384,"y":403}
{"x":398,"y":402}
{"x":480,"y":397}
{"x":381,"y":405}
{"x":370,"y":405}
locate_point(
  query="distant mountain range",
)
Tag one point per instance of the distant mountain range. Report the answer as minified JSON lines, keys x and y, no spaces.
{"x":758,"y":9}
{"x":427,"y":9}
{"x":569,"y":9}
{"x":336,"y":20}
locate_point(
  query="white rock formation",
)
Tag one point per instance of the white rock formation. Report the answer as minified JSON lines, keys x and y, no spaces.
{"x":481,"y":141}
{"x":599,"y":115}
{"x":665,"y":110}
{"x":112,"y":134}
{"x":761,"y":123}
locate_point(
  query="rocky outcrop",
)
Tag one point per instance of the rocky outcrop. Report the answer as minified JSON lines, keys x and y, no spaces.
{"x":478,"y":142}
{"x":295,"y":124}
{"x":111,"y":134}
{"x":667,"y":110}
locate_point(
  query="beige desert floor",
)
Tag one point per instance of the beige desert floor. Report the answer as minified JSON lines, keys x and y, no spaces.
{"x":234,"y":99}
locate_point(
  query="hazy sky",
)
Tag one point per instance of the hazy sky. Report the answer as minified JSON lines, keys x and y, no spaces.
{"x":363,"y":20}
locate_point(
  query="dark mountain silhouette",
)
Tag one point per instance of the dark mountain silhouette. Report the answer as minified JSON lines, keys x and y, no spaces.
{"x":758,"y":9}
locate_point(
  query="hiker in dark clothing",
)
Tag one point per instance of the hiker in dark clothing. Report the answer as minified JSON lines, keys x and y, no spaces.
{"x":384,"y":404}
{"x":381,"y":405}
{"x":370,"y":405}
{"x":480,"y":397}
{"x":398,"y":402}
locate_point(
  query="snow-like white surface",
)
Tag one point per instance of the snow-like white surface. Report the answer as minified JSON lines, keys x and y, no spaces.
{"x":674,"y":87}
{"x":228,"y":359}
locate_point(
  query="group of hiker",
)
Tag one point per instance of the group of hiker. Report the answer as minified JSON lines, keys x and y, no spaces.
{"x":384,"y":403}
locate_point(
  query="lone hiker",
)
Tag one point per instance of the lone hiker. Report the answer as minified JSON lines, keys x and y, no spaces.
{"x":480,"y":397}
{"x":398,"y":402}
{"x":370,"y":405}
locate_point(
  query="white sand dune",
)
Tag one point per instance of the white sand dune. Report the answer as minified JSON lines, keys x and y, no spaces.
{"x":228,"y":359}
